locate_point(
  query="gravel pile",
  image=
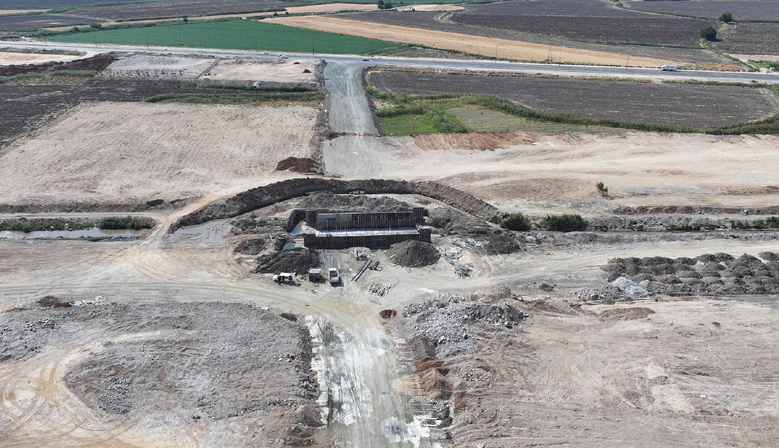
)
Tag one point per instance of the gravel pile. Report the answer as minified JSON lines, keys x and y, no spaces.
{"x":298,"y":260}
{"x":706,"y":274}
{"x":413,"y":254}
{"x":445,"y":322}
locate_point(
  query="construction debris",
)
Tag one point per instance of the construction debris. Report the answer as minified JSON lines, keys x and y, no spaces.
{"x":380,"y":289}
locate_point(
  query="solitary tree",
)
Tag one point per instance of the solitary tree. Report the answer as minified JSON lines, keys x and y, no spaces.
{"x":709,"y":33}
{"x":726,"y":17}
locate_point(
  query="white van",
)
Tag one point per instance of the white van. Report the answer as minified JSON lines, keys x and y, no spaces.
{"x":669,"y":68}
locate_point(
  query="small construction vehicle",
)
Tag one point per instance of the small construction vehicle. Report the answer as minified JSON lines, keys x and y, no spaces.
{"x":333,"y":277}
{"x":284,"y":277}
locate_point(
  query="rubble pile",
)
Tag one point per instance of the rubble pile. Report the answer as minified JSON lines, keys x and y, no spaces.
{"x":446,"y":320}
{"x":413,"y":254}
{"x":718,"y":273}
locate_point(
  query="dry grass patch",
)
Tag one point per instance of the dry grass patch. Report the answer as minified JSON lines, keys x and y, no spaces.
{"x":330,"y":7}
{"x":485,"y":46}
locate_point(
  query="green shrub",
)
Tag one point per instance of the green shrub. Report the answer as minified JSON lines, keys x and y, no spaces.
{"x":515,"y":221}
{"x":564,"y":223}
{"x":709,"y":33}
{"x":726,"y":17}
{"x":125,"y":223}
{"x":602,"y":189}
{"x":20,"y":226}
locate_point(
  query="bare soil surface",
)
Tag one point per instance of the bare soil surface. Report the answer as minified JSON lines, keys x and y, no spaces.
{"x":130,"y":153}
{"x":629,"y":101}
{"x":281,"y":71}
{"x":165,"y":66}
{"x":524,"y":170}
{"x":432,"y":21}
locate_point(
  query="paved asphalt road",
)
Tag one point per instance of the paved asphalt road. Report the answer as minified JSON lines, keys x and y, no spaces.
{"x":567,"y":70}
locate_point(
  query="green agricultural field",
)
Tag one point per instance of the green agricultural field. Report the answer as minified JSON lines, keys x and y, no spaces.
{"x":232,"y":34}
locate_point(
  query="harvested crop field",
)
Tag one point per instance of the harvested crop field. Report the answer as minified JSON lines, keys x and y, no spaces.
{"x":630,"y":101}
{"x":128,"y":154}
{"x":467,"y":43}
{"x":118,"y":370}
{"x":41,"y":21}
{"x":330,"y":7}
{"x":711,"y":9}
{"x":567,"y":8}
{"x":673,"y":31}
{"x":12,"y":12}
{"x":749,"y":38}
{"x":152,"y":10}
{"x":429,"y":21}
{"x":584,"y":19}
{"x":8,"y":58}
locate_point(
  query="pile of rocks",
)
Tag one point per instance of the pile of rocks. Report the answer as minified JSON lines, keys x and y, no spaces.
{"x":719,"y":273}
{"x":446,"y":321}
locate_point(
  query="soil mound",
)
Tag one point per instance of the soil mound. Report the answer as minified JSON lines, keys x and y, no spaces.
{"x":293,"y":260}
{"x":625,"y":314}
{"x":413,"y":254}
{"x":52,"y":301}
{"x":302,"y":165}
{"x":251,"y":247}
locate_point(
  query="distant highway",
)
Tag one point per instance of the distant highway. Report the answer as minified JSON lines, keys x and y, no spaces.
{"x":522,"y":67}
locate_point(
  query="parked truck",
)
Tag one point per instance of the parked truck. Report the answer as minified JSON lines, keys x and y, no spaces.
{"x":284,"y":277}
{"x":333,"y":277}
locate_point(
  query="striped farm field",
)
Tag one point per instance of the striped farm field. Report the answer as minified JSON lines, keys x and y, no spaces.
{"x":485,"y":46}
